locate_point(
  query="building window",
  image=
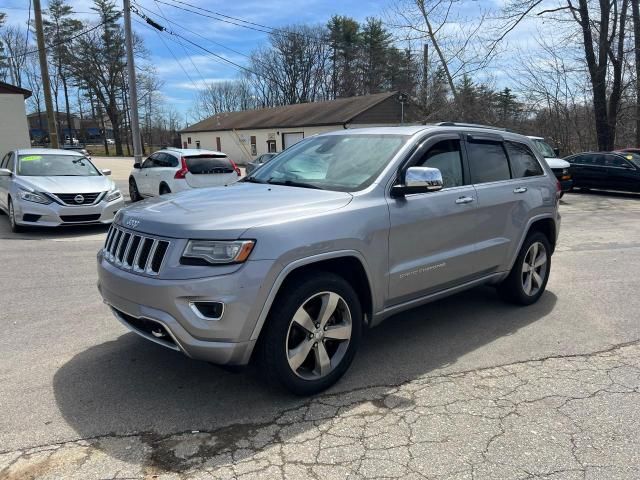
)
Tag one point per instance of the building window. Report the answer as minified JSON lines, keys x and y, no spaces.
{"x":189,"y":140}
{"x":271,"y":146}
{"x":254,"y":148}
{"x":218,"y":144}
{"x":197,"y":143}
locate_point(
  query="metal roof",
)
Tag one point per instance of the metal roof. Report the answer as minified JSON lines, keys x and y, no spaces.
{"x":331,"y":112}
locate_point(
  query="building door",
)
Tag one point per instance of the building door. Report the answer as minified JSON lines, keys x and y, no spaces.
{"x":291,"y":138}
{"x":271,"y":146}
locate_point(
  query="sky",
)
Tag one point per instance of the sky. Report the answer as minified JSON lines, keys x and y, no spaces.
{"x":228,"y":40}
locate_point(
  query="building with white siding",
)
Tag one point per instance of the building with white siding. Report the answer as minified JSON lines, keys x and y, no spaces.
{"x":14,"y":129}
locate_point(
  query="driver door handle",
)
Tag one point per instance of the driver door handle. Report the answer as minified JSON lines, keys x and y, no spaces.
{"x":520,"y":190}
{"x":463,"y":200}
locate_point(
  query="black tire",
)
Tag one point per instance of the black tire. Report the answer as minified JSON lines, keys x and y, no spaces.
{"x":275,"y":338}
{"x":134,"y":193}
{"x":513,"y":288}
{"x":164,"y":189}
{"x":15,"y":228}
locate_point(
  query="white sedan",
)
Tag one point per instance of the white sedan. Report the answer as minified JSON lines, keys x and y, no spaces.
{"x":174,"y":170}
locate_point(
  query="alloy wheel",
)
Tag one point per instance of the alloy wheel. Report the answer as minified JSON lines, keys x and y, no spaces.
{"x":318,"y":336}
{"x":534,"y":269}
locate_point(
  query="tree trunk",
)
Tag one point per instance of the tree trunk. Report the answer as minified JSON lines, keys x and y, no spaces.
{"x":65,"y":90}
{"x":635,"y":7}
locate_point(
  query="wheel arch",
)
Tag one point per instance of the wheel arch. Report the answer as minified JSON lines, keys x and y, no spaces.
{"x":349,"y":264}
{"x":545,"y":224}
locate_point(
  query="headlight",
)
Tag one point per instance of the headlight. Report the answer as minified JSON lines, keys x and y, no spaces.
{"x":113,"y":195}
{"x":215,"y":252}
{"x":565,"y":171}
{"x":34,"y":197}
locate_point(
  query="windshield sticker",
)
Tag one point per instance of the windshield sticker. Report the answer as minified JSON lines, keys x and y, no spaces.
{"x":30,"y":158}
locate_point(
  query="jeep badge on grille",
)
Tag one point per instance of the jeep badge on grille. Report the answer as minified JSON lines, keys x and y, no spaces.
{"x":132,"y":223}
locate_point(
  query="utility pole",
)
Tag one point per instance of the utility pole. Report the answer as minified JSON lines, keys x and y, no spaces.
{"x":133,"y":92}
{"x":44,"y":71}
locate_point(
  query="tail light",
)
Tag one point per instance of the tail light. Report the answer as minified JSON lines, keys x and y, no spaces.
{"x":235,"y":167}
{"x":183,"y":169}
{"x":558,"y":188}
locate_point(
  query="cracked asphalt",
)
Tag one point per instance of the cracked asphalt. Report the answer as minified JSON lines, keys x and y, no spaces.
{"x":465,"y":388}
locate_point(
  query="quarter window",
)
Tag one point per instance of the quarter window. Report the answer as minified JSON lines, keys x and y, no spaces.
{"x":446,"y":157}
{"x":488,"y":162}
{"x":523,"y":161}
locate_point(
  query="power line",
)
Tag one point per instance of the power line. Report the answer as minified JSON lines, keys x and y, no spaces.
{"x":184,"y":49}
{"x":161,"y":28}
{"x":170,"y":51}
{"x":220,"y":17}
{"x":182,"y":27}
{"x":37,"y":50}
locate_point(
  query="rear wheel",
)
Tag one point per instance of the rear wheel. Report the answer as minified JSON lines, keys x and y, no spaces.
{"x":164,"y":189}
{"x":15,"y":228}
{"x":528,"y":277}
{"x":312,"y":333}
{"x":134,"y":194}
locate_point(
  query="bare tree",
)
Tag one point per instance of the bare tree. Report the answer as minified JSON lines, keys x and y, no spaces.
{"x":15,"y":45}
{"x":456,"y":39}
{"x":227,"y":96}
{"x":601,"y":27}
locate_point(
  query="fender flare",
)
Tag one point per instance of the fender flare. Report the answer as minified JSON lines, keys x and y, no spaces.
{"x":275,"y":288}
{"x":531,"y":221}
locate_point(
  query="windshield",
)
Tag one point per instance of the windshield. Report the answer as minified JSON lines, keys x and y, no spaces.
{"x":543,"y":148}
{"x":344,"y":163}
{"x":52,"y":165}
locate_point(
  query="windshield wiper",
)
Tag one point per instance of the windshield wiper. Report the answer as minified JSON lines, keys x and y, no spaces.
{"x":251,"y":179}
{"x":293,"y":183}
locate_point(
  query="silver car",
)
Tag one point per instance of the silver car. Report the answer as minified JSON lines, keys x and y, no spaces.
{"x":47,"y":188}
{"x":332,"y":236}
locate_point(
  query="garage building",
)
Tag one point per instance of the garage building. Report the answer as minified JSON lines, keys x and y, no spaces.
{"x":14,"y":129}
{"x":247,"y":134}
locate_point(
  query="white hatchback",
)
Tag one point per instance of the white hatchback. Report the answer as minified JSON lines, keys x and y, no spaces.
{"x":175,"y":170}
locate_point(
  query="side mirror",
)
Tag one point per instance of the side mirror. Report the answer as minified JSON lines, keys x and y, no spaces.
{"x":556,"y":152}
{"x":5,"y":172}
{"x":106,"y":171}
{"x":137,"y":166}
{"x":419,"y":180}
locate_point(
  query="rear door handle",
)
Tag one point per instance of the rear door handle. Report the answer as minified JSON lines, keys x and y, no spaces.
{"x":520,"y":190}
{"x":463,"y":200}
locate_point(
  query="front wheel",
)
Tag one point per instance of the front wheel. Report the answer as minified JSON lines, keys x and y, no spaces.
{"x":312,"y":333}
{"x":15,"y":228}
{"x":134,"y":193}
{"x":528,"y":277}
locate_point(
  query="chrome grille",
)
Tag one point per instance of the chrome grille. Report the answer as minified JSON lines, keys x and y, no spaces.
{"x":135,"y":252}
{"x":87,"y":198}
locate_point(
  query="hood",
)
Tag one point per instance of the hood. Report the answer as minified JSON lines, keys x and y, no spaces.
{"x":224,"y":213}
{"x":67,"y":184}
{"x":557,"y":163}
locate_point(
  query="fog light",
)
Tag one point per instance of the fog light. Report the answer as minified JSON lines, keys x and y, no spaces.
{"x":208,"y":310}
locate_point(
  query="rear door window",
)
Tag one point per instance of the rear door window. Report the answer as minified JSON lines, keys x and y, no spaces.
{"x":202,"y":164}
{"x":616,"y":161}
{"x":488,"y":162}
{"x":523,"y":161}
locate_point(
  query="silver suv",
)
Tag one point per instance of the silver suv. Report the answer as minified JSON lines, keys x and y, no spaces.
{"x":335,"y":234}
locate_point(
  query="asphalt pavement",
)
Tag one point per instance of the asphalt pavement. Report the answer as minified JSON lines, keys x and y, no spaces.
{"x":467,"y":387}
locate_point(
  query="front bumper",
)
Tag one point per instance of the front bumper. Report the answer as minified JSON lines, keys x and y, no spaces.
{"x":54,"y":215}
{"x":226,"y":341}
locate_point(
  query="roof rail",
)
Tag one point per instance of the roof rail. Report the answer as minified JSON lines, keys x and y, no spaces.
{"x":474,"y":125}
